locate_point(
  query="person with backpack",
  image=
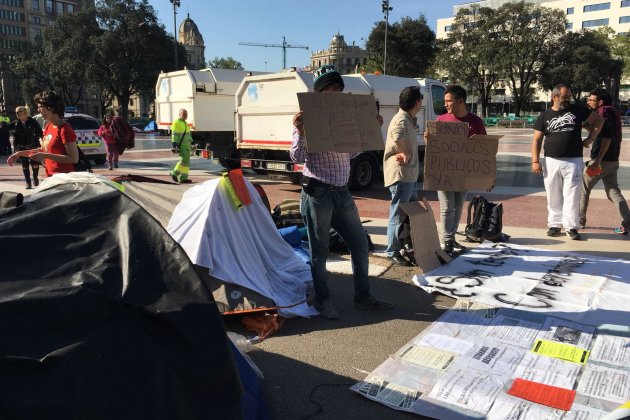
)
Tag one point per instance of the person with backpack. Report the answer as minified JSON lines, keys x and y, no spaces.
{"x":181,"y":141}
{"x":59,"y":149}
{"x":325,"y":203}
{"x":401,"y":166}
{"x":26,"y":135}
{"x":452,"y":202}
{"x":124,"y":136}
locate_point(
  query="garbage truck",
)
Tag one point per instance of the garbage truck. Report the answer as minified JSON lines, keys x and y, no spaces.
{"x":208,"y":96}
{"x":265,"y":105}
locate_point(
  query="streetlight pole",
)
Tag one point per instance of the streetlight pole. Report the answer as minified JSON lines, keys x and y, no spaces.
{"x":386,"y":10}
{"x":176,"y":4}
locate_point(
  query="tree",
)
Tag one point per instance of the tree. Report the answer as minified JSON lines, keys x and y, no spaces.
{"x":58,"y":60}
{"x":130,"y":49}
{"x":525,"y":42}
{"x":225,"y":63}
{"x":468,"y":55}
{"x":117,"y":49}
{"x":410,"y":47}
{"x":581,"y":60}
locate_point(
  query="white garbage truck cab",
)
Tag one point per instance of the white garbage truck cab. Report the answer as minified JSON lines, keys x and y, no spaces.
{"x":208,"y":96}
{"x":266,"y":104}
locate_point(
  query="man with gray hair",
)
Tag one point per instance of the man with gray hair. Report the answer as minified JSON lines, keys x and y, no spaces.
{"x":561,"y":128}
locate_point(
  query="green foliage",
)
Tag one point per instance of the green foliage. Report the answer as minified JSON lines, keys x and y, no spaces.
{"x":225,"y":63}
{"x":468,"y":56}
{"x":117,"y":49}
{"x":410,"y":47}
{"x":526,"y":37}
{"x":620,"y":48}
{"x":581,"y":60}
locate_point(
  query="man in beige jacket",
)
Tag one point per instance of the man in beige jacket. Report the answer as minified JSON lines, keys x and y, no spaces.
{"x":401,"y":165}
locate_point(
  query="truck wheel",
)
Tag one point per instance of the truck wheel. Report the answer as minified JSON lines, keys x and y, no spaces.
{"x":296,"y":178}
{"x":229,"y":164}
{"x":363,"y":171}
{"x":100,"y":160}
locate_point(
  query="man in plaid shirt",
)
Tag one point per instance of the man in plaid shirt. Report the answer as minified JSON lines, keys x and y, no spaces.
{"x":326,"y":202}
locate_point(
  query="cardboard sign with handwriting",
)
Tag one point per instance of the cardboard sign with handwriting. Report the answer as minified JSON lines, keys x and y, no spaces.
{"x":424,"y":235}
{"x":340,"y":122}
{"x":454,"y":162}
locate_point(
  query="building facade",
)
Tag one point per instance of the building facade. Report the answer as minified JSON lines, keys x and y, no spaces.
{"x":190,"y":38}
{"x":346,"y":58}
{"x":23,"y":21}
{"x":580,"y":14}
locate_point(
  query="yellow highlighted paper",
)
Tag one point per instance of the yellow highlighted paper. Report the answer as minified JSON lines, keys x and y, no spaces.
{"x":561,"y":351}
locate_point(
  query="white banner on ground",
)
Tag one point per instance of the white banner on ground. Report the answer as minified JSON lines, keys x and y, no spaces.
{"x":588,"y":289}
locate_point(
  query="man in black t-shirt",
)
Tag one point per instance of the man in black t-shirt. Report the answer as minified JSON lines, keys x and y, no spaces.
{"x":561,"y":128}
{"x":604,"y":162}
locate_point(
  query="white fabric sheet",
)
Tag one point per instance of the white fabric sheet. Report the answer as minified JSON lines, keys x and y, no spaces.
{"x":241,"y":247}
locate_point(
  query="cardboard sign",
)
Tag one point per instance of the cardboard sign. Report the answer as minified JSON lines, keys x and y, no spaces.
{"x":424,"y":235}
{"x":340,"y":122}
{"x":454,"y":162}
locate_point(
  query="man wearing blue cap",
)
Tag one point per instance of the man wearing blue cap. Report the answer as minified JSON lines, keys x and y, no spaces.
{"x":326,"y":202}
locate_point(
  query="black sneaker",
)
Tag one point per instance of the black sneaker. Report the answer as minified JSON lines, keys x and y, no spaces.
{"x":621,"y":231}
{"x":399,"y":260}
{"x":554,"y":231}
{"x":457,"y":247}
{"x":373,"y":304}
{"x":448,"y":246}
{"x":573,"y":234}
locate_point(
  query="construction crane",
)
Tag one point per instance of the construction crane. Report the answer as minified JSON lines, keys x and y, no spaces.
{"x":284,"y":47}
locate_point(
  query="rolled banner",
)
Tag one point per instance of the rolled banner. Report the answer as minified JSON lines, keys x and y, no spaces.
{"x":231,"y":192}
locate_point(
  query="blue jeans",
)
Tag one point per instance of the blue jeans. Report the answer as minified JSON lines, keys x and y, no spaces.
{"x":402,"y":192}
{"x":451,"y":205}
{"x":322,"y":208}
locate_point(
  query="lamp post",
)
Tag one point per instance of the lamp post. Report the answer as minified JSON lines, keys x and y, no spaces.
{"x":176,"y":4}
{"x":386,"y":10}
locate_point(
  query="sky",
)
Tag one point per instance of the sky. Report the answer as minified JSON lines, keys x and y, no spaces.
{"x":312,"y":23}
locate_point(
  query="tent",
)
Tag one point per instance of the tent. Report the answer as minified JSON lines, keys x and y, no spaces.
{"x":151,"y":126}
{"x":241,"y":247}
{"x":102,"y":314}
{"x":160,"y":198}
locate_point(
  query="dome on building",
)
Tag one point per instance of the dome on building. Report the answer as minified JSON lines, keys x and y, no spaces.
{"x":189,"y":33}
{"x":338,"y":41}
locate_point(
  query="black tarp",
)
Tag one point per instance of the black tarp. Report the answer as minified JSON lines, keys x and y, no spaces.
{"x":103,"y":317}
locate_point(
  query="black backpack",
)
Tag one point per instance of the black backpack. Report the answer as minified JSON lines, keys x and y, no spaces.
{"x":83,"y":164}
{"x":485,"y":221}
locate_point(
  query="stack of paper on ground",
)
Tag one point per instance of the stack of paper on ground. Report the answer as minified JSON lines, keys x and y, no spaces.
{"x":466,"y":365}
{"x":241,"y":246}
{"x":588,"y":289}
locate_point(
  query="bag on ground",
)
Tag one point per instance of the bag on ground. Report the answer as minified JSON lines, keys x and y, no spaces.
{"x":484,"y":221}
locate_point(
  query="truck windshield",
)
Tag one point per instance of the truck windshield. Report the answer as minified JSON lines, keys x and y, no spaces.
{"x":437,"y":93}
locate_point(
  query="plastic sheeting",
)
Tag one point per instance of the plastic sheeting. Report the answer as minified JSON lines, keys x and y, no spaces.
{"x":103,"y":315}
{"x":241,"y":247}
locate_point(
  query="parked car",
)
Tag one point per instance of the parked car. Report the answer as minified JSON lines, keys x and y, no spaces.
{"x":86,"y":129}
